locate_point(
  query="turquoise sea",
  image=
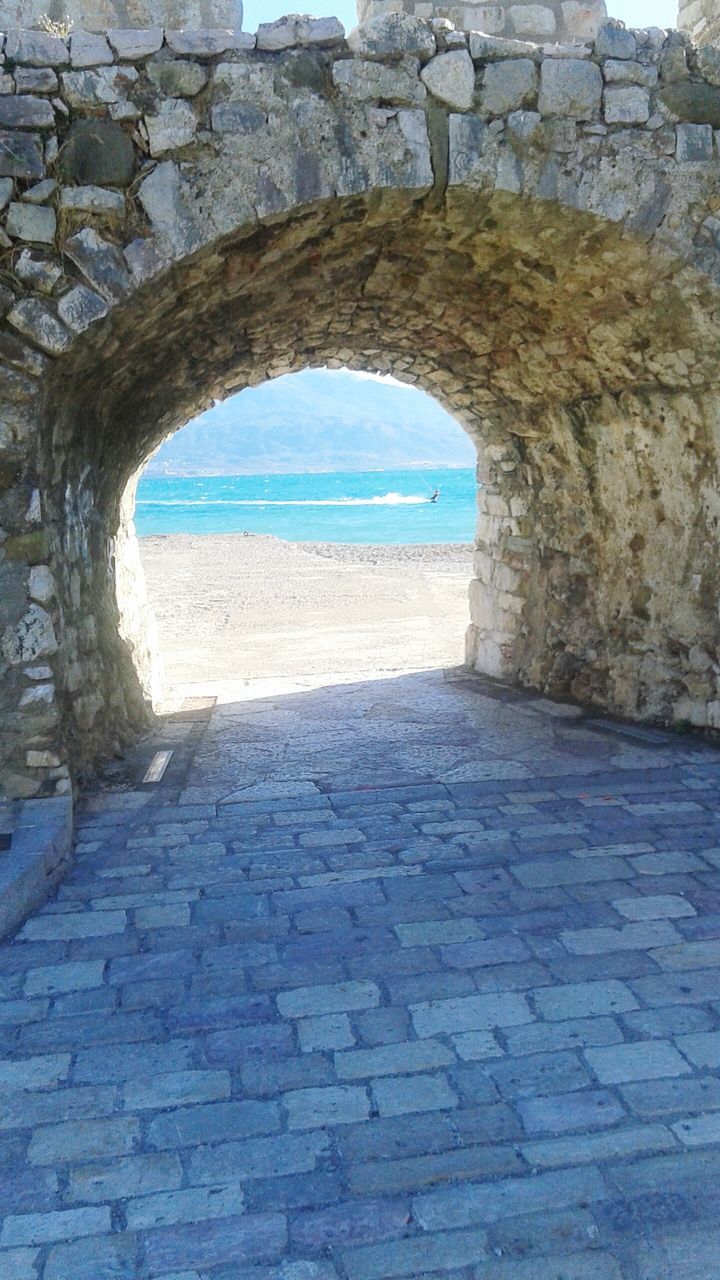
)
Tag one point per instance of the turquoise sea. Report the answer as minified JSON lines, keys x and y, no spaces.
{"x":356,"y":506}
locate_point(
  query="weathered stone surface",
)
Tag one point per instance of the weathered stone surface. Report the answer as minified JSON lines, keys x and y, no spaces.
{"x":41,"y":192}
{"x":89,"y":50}
{"x":174,"y":126}
{"x":626,"y":104}
{"x":451,"y":78}
{"x":570,"y":88}
{"x":693,"y":100}
{"x":286,"y":33}
{"x":79,"y":308}
{"x":532,"y":20}
{"x":613,"y":41}
{"x":393,"y":35}
{"x":20,"y":156}
{"x":207,"y":42}
{"x":694,"y":142}
{"x":99,"y":153}
{"x":21,"y":111}
{"x":134,"y":45}
{"x":176,"y":78}
{"x":372,"y":82}
{"x":31,"y":222}
{"x":35,"y":49}
{"x":92,"y":200}
{"x":508,"y":86}
{"x":33,"y":638}
{"x":102,"y":264}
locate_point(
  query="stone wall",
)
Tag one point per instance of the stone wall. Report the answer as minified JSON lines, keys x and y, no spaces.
{"x":701,"y":18}
{"x":549,"y":21}
{"x":530,"y":234}
{"x":101,"y":15}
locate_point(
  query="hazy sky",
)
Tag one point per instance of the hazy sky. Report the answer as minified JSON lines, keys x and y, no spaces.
{"x":636,"y":13}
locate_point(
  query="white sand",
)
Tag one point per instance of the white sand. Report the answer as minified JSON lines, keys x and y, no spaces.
{"x":235,"y":606}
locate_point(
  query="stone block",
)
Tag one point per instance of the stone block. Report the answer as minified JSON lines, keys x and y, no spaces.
{"x":582,"y":20}
{"x":195,"y":1204}
{"x":532,"y":21}
{"x":403,"y":1095}
{"x":329,"y":1031}
{"x":657,"y":906}
{"x":98,"y":153}
{"x":133,"y":46}
{"x":626,"y":104}
{"x":237,"y":1240}
{"x":321,"y":1108}
{"x":125,"y":1177}
{"x":340,"y":997}
{"x":23,"y":111}
{"x":208,"y":42}
{"x":178,"y":1088}
{"x":177,"y":78}
{"x":613,"y":41}
{"x":212,"y":1122}
{"x":64,"y":1224}
{"x":442,"y":1253}
{"x":88,"y":1259}
{"x":698,"y":1131}
{"x":646,"y":1060}
{"x":83,"y":1140}
{"x":450,"y":77}
{"x":616,"y":72}
{"x":584,"y":999}
{"x":570,"y":88}
{"x":365,"y":81}
{"x":42,"y":1072}
{"x":259,"y":1158}
{"x":508,"y":86}
{"x":575,"y":1033}
{"x":31,"y":223}
{"x":469,"y":1204}
{"x":55,"y":979}
{"x":393,"y":35}
{"x":21,"y":156}
{"x":539,"y":1073}
{"x":89,"y":50}
{"x":174,"y":126}
{"x":414,"y":1055}
{"x":18,"y":1264}
{"x":693,"y":142}
{"x":637,"y":936}
{"x":702,"y":1049}
{"x":35,"y":49}
{"x":689,"y":955}
{"x":586,"y":1109}
{"x":586,"y":1148}
{"x":469,"y":1013}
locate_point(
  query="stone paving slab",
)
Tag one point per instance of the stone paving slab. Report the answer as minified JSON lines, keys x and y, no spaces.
{"x":358,"y":1032}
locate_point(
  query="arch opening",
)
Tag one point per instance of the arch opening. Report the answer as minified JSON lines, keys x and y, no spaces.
{"x":320,"y":524}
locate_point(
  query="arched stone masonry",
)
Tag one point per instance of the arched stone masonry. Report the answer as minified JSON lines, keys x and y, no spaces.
{"x":531,"y":236}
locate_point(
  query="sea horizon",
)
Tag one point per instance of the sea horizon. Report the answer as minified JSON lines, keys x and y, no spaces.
{"x":373,"y":506}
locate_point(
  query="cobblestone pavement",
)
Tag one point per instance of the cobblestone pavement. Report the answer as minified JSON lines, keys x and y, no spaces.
{"x":398,"y":978}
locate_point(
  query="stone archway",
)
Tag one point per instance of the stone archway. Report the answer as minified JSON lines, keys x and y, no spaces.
{"x":512,"y":229}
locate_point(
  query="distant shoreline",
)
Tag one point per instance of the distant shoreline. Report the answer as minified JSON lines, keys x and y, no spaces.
{"x":156,"y":473}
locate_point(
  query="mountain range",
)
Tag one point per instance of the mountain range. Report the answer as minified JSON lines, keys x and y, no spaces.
{"x":317,"y":420}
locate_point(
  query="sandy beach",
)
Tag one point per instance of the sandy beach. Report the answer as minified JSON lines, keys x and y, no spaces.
{"x":235,"y":606}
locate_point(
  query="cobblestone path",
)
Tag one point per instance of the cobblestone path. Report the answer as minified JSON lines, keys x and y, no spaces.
{"x":398,"y":978}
